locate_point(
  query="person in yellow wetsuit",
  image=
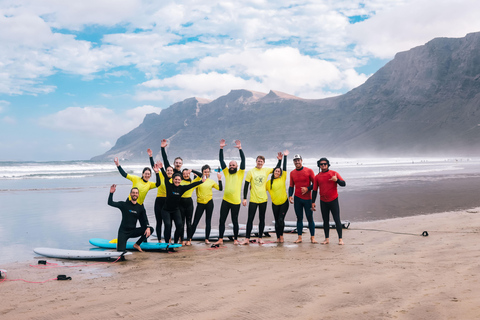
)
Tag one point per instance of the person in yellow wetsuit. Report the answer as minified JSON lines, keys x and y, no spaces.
{"x":278,"y":193}
{"x":257,"y":178}
{"x":205,"y":201}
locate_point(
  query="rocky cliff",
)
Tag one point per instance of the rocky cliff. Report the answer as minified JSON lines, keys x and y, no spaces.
{"x":426,"y":101}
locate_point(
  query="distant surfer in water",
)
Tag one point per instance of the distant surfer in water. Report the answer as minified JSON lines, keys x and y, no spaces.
{"x":278,"y":193}
{"x":301,"y":180}
{"x":233,"y":188}
{"x":132,"y":212}
{"x":141,"y":183}
{"x":257,"y":179}
{"x":327,"y":180}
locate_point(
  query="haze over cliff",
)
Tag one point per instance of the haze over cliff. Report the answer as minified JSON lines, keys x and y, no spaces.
{"x":426,"y":101}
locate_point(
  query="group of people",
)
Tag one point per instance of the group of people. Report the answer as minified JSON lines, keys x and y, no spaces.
{"x":174,"y":202}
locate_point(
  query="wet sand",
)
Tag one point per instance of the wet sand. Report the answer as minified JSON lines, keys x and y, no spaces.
{"x":386,"y":270}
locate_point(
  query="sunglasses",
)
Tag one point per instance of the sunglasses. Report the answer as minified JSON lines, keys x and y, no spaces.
{"x":323,"y":164}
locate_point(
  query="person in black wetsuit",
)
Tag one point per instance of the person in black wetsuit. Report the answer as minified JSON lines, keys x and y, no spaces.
{"x":170,"y":210}
{"x":132,"y":212}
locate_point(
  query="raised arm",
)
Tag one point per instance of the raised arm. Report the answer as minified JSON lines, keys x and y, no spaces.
{"x":238,"y":145}
{"x":110,"y":197}
{"x":285,"y":154}
{"x":119,"y":167}
{"x":164,"y":153}
{"x":220,"y":155}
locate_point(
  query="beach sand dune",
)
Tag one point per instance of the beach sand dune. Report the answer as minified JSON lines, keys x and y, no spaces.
{"x":386,"y":270}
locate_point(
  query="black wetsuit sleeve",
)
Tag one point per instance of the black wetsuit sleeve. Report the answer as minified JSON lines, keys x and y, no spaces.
{"x":159,"y":182}
{"x":220,"y":185}
{"x":152,"y":162}
{"x":341,"y":183}
{"x":285,"y":163}
{"x":122,"y":172}
{"x":310,"y":187}
{"x":314,"y":196}
{"x":165,"y":158}
{"x":184,"y":188}
{"x":144,"y":219}
{"x":290,"y":191}
{"x":168,"y":184}
{"x":113,"y":203}
{"x":242,"y":157}
{"x":197,"y":173}
{"x":279,"y":164}
{"x":245,"y":189}
{"x":223,"y":165}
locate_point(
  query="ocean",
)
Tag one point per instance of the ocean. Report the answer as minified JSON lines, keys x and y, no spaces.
{"x":63,"y":204}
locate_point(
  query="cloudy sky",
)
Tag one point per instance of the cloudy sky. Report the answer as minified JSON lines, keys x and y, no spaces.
{"x":76,"y":75}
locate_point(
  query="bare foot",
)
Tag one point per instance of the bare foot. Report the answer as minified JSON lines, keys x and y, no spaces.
{"x":219,"y":242}
{"x":206,"y":241}
{"x":136,"y":246}
{"x":281,"y":239}
{"x":184,"y":243}
{"x":278,"y":240}
{"x":340,"y":242}
{"x":326,"y":241}
{"x":188,"y":243}
{"x":236,"y":242}
{"x":260,"y":241}
{"x":245,"y":242}
{"x":299,"y":240}
{"x":312,"y":239}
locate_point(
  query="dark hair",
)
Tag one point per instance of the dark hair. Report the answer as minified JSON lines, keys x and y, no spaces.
{"x":323,"y":159}
{"x":273,"y":175}
{"x":260,"y":157}
{"x":177,"y":158}
{"x":206,"y":167}
{"x":133,"y":189}
{"x":145,"y":169}
{"x":176,"y":174}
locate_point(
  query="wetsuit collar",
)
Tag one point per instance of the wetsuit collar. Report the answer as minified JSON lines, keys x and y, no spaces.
{"x":299,"y":169}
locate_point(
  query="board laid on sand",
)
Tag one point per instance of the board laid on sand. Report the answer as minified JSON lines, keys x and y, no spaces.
{"x":104,"y":243}
{"x":345,"y":224}
{"x":78,"y":254}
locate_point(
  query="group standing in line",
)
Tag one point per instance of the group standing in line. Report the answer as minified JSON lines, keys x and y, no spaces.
{"x":174,"y":203}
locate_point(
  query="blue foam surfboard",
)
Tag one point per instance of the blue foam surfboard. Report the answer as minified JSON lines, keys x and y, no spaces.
{"x":104,"y":243}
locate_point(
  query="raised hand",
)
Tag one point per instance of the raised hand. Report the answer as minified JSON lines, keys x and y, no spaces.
{"x":159,"y":164}
{"x":334,"y":178}
{"x":116,"y":161}
{"x":164,"y":143}
{"x":286,"y":152}
{"x":279,"y":156}
{"x":222,"y":143}
{"x":156,"y":168}
{"x":219,"y":176}
{"x":150,"y":153}
{"x":113,"y":188}
{"x":238,"y":144}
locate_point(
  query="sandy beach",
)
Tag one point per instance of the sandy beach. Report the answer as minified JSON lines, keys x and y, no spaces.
{"x":386,"y":270}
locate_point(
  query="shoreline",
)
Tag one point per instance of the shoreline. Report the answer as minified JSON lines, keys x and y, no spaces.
{"x":385,"y":270}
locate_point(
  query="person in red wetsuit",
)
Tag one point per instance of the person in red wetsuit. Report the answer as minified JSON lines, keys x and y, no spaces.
{"x":301,"y":180}
{"x":327,"y":180}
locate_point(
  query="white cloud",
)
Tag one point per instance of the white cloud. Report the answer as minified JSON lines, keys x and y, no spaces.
{"x":284,"y":69}
{"x":98,"y":122}
{"x":414,"y":23}
{"x":106,"y":145}
{"x":9,"y":120}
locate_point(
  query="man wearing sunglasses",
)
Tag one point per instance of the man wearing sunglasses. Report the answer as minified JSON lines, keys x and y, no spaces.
{"x":327,"y":180}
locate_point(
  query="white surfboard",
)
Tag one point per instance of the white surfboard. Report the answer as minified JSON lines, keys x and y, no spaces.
{"x":78,"y":254}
